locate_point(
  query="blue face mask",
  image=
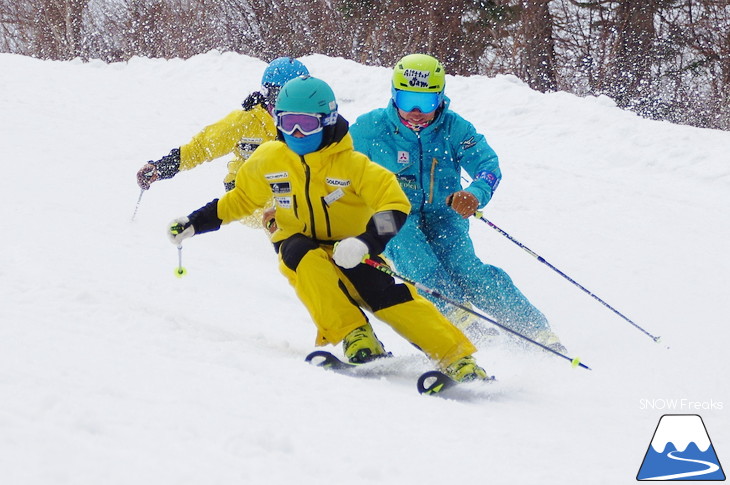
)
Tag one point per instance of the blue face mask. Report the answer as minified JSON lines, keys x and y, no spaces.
{"x":303,"y":146}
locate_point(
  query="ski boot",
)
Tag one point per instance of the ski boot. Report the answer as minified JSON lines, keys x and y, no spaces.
{"x":466,"y":370}
{"x":361,"y":345}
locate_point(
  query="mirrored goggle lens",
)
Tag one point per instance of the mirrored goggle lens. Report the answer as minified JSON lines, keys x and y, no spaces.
{"x":409,"y":100}
{"x":306,"y":123}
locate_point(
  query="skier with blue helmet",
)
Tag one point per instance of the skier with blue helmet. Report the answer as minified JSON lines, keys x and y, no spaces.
{"x":239,"y":133}
{"x":334,"y":208}
{"x":427,"y":145}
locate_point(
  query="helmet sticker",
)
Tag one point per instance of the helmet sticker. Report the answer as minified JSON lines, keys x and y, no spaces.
{"x":416,"y":78}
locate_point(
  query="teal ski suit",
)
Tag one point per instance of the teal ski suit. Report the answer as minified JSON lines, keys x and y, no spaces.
{"x":434,"y":247}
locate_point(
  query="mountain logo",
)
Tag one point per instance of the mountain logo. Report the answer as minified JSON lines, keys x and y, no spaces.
{"x":680,"y":450}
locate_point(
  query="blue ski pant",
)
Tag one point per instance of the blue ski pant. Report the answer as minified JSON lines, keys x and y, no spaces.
{"x":434,"y":249}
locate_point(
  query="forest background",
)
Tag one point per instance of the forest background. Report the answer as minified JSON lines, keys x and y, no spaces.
{"x":663,"y":59}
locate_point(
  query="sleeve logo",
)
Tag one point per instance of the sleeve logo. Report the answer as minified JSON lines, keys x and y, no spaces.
{"x":491,"y":179}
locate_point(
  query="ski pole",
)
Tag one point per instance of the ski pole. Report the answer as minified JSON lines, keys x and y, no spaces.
{"x":180,"y":271}
{"x":136,"y":207}
{"x":575,"y":362}
{"x":479,"y":216}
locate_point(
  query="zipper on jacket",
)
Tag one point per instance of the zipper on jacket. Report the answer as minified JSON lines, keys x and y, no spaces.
{"x":296,"y":207}
{"x":420,"y":162}
{"x":307,"y":180}
{"x":327,"y":218}
{"x":434,"y":162}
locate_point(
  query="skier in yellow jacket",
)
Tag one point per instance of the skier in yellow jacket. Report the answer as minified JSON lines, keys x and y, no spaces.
{"x":239,"y":133}
{"x":334,"y":207}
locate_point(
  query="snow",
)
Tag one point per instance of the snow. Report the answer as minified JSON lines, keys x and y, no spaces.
{"x":114,"y":371}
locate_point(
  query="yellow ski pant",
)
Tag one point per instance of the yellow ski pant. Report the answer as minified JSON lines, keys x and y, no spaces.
{"x":334,"y":297}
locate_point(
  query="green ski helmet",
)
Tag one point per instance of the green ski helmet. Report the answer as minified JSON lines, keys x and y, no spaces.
{"x":419,"y":73}
{"x":418,"y":83}
{"x":307,"y":94}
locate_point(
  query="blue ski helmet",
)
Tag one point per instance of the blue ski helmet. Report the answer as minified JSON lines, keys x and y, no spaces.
{"x":281,"y":70}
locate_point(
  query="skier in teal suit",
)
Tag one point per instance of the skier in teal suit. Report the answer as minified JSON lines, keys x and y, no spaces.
{"x":427,"y":145}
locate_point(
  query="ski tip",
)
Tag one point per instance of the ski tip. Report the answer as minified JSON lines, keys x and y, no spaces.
{"x":327,"y":360}
{"x":319,"y":358}
{"x":433,"y":382}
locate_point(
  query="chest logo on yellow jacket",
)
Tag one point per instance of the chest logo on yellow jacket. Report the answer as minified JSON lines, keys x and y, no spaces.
{"x":280,"y":187}
{"x":337,"y":182}
{"x":276,"y":175}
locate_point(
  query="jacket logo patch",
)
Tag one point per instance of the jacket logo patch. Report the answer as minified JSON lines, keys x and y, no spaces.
{"x":404,"y":157}
{"x":247,"y":147}
{"x":283,"y":202}
{"x":491,"y":179}
{"x":280,"y":187}
{"x":249,"y":144}
{"x":407,"y":181}
{"x":253,"y":141}
{"x":278,"y":175}
{"x":337,"y":182}
{"x":466,"y":144}
{"x":333,"y":196}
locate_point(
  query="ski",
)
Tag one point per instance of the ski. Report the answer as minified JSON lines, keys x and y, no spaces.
{"x":328,"y":360}
{"x":434,"y":382}
{"x":429,"y":383}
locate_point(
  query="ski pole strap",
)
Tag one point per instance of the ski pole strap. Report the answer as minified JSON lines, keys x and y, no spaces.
{"x":575,"y":362}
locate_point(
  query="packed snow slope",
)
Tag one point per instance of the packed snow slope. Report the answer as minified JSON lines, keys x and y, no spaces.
{"x":114,"y":371}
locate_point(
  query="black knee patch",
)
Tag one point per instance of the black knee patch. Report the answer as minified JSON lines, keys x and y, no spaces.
{"x":379,"y":290}
{"x":293,"y":249}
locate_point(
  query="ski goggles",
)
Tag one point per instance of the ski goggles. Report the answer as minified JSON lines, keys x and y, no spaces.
{"x":410,"y":100}
{"x":306,"y":123}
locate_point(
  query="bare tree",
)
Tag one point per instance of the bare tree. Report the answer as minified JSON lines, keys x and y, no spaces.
{"x":665,"y":59}
{"x":536,"y":35}
{"x":633,"y":52}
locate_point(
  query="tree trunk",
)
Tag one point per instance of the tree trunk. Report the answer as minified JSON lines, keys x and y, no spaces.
{"x":632,"y":52}
{"x":538,"y":63}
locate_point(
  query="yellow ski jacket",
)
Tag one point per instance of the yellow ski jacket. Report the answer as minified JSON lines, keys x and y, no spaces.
{"x":326,"y":195}
{"x":239,"y":133}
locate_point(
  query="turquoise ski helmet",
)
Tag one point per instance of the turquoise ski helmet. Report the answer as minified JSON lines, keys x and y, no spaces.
{"x":307,"y":94}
